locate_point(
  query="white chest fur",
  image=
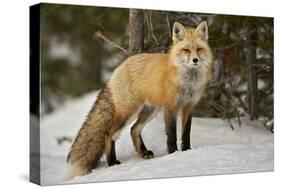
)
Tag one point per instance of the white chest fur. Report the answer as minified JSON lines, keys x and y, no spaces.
{"x":191,"y":83}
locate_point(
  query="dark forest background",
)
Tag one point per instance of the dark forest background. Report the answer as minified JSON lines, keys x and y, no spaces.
{"x":82,"y":45}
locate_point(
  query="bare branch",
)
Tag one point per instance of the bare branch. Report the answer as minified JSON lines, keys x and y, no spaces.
{"x":239,"y":119}
{"x":148,"y":30}
{"x":168,"y":24}
{"x":99,"y":35}
{"x":227,"y":47}
{"x":151,"y":28}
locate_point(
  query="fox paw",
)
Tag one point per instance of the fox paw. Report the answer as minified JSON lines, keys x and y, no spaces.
{"x":147,"y":154}
{"x":184,"y":148}
{"x":116,"y":162}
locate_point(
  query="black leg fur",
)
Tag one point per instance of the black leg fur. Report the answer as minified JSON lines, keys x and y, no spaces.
{"x":111,"y":160}
{"x":171,"y":130}
{"x":143,"y":118}
{"x":110,"y":153}
{"x":186,"y":134}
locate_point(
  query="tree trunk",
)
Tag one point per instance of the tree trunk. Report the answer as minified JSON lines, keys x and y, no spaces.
{"x":136,"y":31}
{"x":252,"y":75}
{"x":219,"y":67}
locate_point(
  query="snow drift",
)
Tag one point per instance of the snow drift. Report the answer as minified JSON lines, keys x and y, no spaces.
{"x":216,"y":148}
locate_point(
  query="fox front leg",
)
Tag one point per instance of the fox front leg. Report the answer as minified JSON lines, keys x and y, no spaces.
{"x":186,"y":127}
{"x":170,"y":119}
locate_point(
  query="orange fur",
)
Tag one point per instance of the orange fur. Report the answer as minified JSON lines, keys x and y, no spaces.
{"x":154,"y":78}
{"x":173,"y":81}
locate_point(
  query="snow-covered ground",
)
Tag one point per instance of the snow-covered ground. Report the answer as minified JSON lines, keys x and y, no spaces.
{"x":216,"y":148}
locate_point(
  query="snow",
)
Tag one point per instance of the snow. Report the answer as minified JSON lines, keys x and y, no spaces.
{"x":244,"y":87}
{"x":216,"y":148}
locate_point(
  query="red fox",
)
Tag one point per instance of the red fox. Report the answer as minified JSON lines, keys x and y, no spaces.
{"x":141,"y":85}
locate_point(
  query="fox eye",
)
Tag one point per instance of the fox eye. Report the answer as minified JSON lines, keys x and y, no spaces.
{"x":199,"y":50}
{"x":186,"y":50}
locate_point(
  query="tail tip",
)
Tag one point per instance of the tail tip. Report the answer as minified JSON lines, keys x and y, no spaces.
{"x":74,"y":170}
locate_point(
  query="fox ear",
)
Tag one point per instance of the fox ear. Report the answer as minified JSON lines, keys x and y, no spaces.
{"x":202,"y":30}
{"x":178,"y":31}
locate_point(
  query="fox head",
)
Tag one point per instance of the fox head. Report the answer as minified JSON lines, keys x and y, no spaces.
{"x":190,"y":49}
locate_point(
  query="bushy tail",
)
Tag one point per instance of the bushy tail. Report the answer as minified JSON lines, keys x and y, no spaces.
{"x":89,"y":143}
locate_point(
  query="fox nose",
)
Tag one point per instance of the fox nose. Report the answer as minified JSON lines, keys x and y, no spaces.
{"x":195,"y":60}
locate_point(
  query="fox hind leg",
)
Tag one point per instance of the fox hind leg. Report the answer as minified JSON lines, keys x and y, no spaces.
{"x":110,"y":152}
{"x":146,"y":114}
{"x":117,"y":124}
